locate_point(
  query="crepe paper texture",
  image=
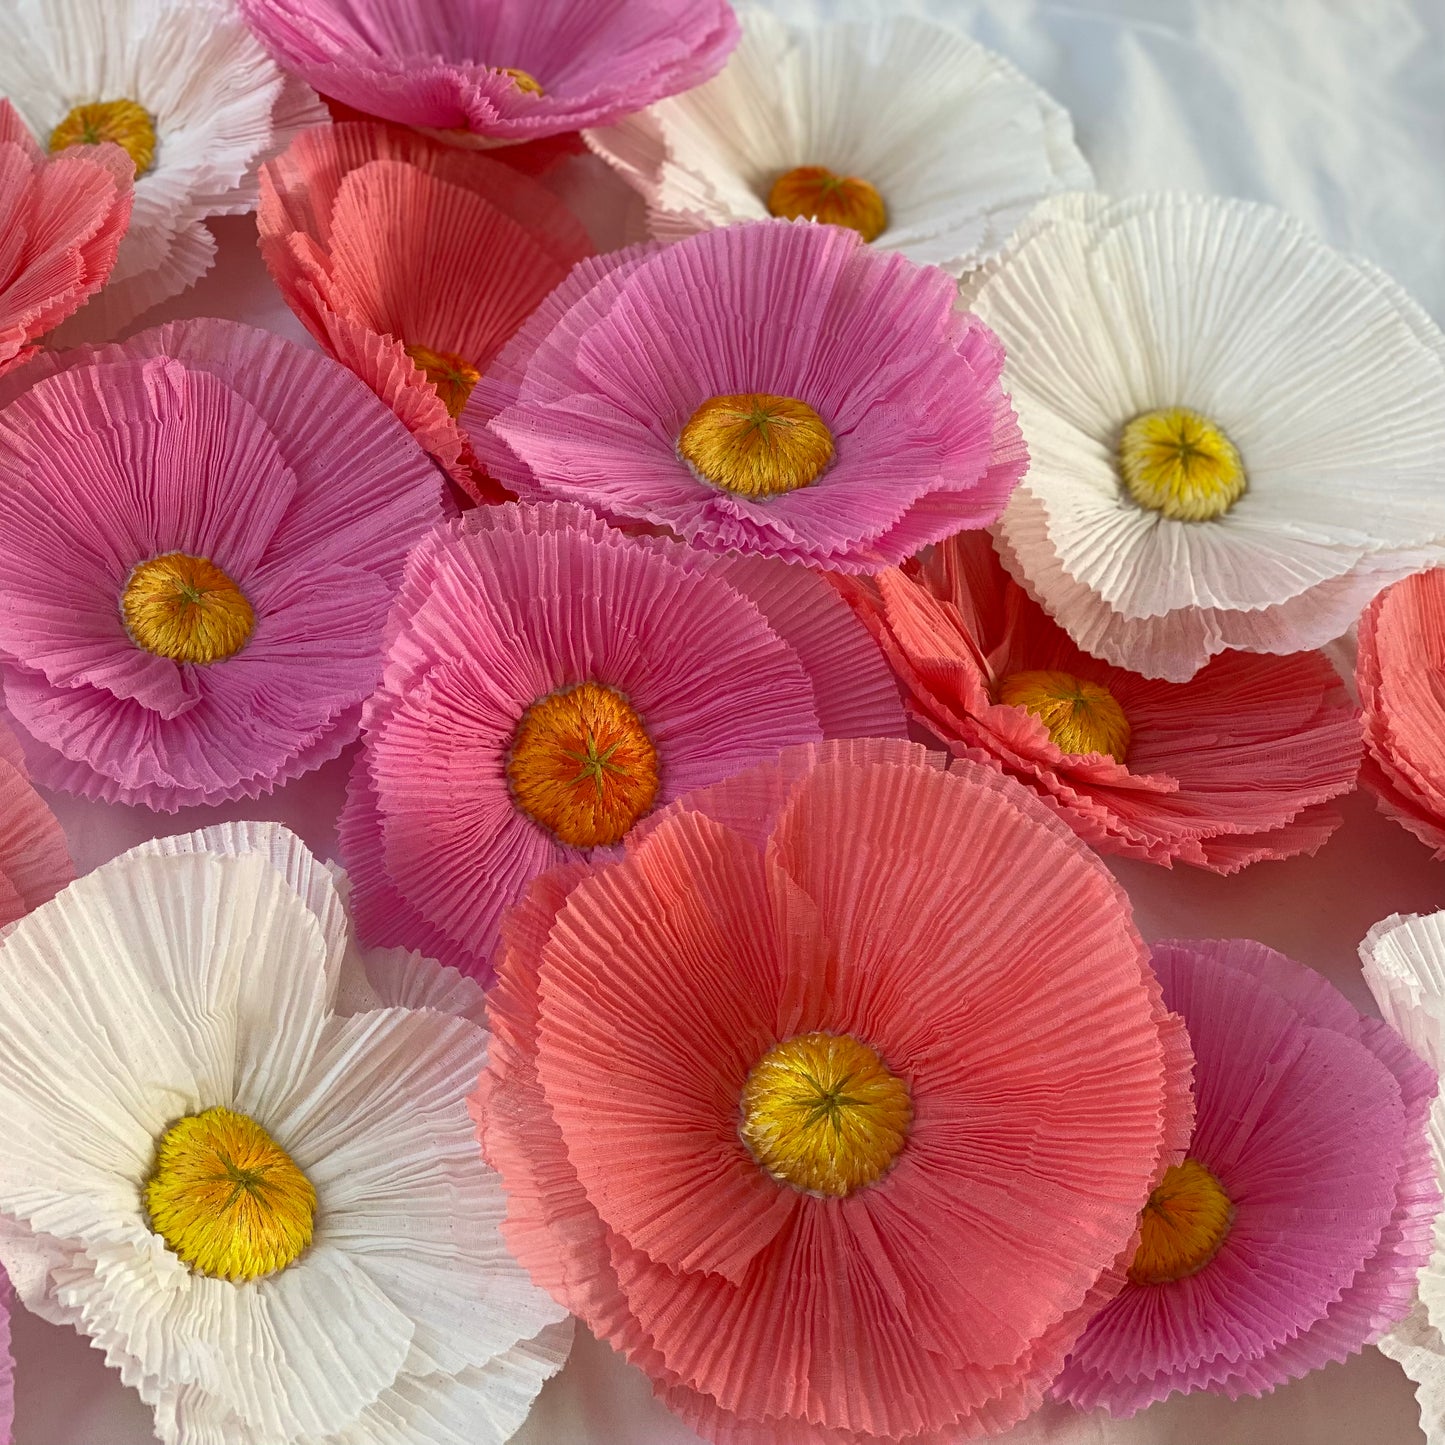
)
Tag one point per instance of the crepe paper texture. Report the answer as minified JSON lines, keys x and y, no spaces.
{"x":189,"y":93}
{"x":411,"y":263}
{"x":202,"y":619}
{"x":1237,"y":434}
{"x":494,"y":72}
{"x":953,"y":1184}
{"x":776,"y":388}
{"x":549,"y":682}
{"x":1292,"y":1236}
{"x":947,"y":147}
{"x":34,"y":857}
{"x":191,"y":994}
{"x":1233,"y":766}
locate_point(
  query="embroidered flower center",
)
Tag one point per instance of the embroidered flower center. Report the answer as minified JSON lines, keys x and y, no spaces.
{"x":187,"y":609}
{"x":123,"y":121}
{"x":453,"y":376}
{"x":527,"y":83}
{"x":1183,"y":1225}
{"x":823,"y":1113}
{"x":1082,"y":717}
{"x":756,"y":445}
{"x":1178,"y":462}
{"x":814,"y":193}
{"x":582,"y":766}
{"x":227,"y":1198}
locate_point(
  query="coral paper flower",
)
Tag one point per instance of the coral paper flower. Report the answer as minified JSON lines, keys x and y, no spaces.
{"x":904,"y":129}
{"x":776,"y":388}
{"x":1291,"y":1235}
{"x":490,"y":72}
{"x":187,"y":91}
{"x":263,"y":1203}
{"x":549,"y":682}
{"x":1230,"y":767}
{"x":412,"y":263}
{"x":62,"y":219}
{"x":201,"y":619}
{"x":891,"y":1078}
{"x":1237,"y":434}
{"x":34,"y":859}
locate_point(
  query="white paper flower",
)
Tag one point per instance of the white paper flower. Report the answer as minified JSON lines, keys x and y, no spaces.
{"x":1237,"y":435}
{"x":189,"y":1040}
{"x":904,"y":128}
{"x":186,"y":88}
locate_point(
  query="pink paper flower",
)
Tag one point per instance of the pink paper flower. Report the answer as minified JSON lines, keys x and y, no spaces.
{"x":549,"y":682}
{"x":496,"y":71}
{"x":62,"y":219}
{"x":1292,"y":1234}
{"x":832,"y":1104}
{"x":1226,"y":769}
{"x":200,"y":532}
{"x":34,"y":859}
{"x":411,"y":263}
{"x":775,"y":388}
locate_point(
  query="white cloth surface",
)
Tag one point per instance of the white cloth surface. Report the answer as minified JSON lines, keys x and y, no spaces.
{"x":1334,"y":109}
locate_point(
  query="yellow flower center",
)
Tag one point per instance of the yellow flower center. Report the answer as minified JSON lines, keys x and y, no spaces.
{"x":1183,"y":1225}
{"x":756,"y":445}
{"x":187,"y":609}
{"x":1082,"y":717}
{"x":527,"y":83}
{"x":227,"y":1198}
{"x":453,"y":376}
{"x":823,"y":1113}
{"x":1178,"y":462}
{"x":582,"y":765}
{"x":814,"y":193}
{"x":123,"y":121}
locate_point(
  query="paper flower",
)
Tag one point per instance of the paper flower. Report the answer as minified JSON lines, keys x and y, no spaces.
{"x":264,"y":1206}
{"x":1236,"y":434}
{"x":1291,"y":1235}
{"x":549,"y":682}
{"x":411,"y":264}
{"x":34,"y":859}
{"x":490,"y":72}
{"x":1231,"y":767}
{"x":887,"y":1120}
{"x":200,"y":533}
{"x":63,"y":221}
{"x":904,"y":129}
{"x":773,"y":388}
{"x":182,"y":86}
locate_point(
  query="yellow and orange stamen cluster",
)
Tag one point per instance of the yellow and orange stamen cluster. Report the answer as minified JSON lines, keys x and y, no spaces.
{"x":125,"y":122}
{"x":814,"y":193}
{"x":756,"y":445}
{"x":186,"y":608}
{"x":1186,"y":1220}
{"x":1081,"y":716}
{"x":1179,"y":463}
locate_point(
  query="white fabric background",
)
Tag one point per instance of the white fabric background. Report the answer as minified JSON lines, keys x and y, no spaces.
{"x":1334,"y":109}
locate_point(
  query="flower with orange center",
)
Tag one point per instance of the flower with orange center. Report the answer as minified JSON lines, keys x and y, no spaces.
{"x":125,"y":122}
{"x":814,"y":193}
{"x":756,"y":445}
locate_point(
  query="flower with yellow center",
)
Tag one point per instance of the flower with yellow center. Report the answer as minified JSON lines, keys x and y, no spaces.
{"x":1178,"y":462}
{"x":227,"y":1198}
{"x":823,"y":1113}
{"x":186,"y":608}
{"x":582,"y":766}
{"x":453,"y":376}
{"x":125,"y":122}
{"x":756,"y":445}
{"x":1183,"y":1225}
{"x":1082,"y":717}
{"x":814,"y":193}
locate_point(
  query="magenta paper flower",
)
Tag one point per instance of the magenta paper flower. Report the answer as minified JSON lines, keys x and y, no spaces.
{"x":495,"y":71}
{"x":200,"y":533}
{"x":549,"y":682}
{"x":777,"y":388}
{"x":1292,"y":1234}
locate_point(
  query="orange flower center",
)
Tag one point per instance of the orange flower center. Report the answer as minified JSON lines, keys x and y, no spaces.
{"x":451,"y":375}
{"x":756,"y":445}
{"x":186,"y":608}
{"x":123,"y":121}
{"x":814,"y":193}
{"x":1183,"y":1225}
{"x":1082,"y":717}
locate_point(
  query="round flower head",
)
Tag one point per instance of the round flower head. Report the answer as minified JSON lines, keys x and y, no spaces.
{"x":491,"y":72}
{"x":277,"y":1142}
{"x":201,"y":619}
{"x":549,"y":682}
{"x":1291,"y":1234}
{"x":903,"y":129}
{"x":1228,"y":768}
{"x":187,"y":91}
{"x":773,"y":388}
{"x":1237,"y":434}
{"x":888,"y":1123}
